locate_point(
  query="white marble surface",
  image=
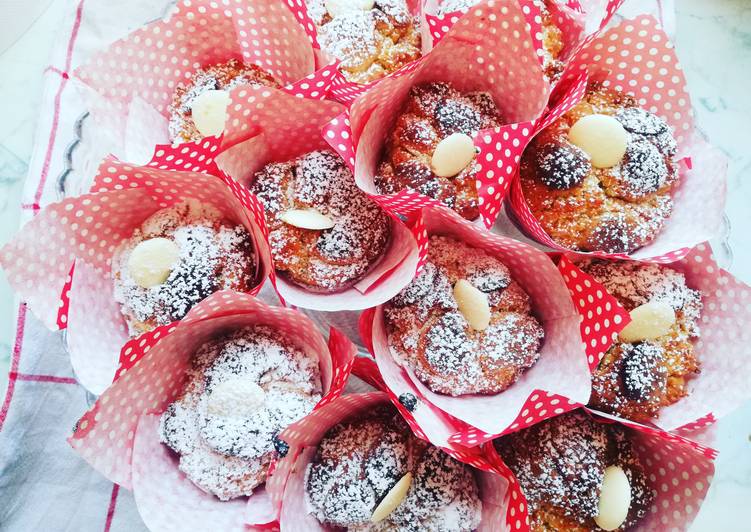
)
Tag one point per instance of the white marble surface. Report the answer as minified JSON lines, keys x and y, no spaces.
{"x":714,"y":43}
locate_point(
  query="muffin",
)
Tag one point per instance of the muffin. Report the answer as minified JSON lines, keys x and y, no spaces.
{"x":561,"y":464}
{"x":240,"y":391}
{"x":600,"y":177}
{"x":643,"y":372}
{"x":325,"y":234}
{"x":361,"y":460}
{"x":552,"y":36}
{"x":437,"y":122}
{"x":433,"y":327}
{"x":175,"y":259}
{"x":219,"y":77}
{"x":370,"y":39}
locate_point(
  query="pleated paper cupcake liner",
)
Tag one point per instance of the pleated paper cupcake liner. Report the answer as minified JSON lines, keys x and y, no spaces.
{"x":119,"y":438}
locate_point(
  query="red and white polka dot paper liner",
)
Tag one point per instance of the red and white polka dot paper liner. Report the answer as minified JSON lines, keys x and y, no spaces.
{"x":637,"y":58}
{"x":132,"y":82}
{"x":307,"y":434}
{"x":678,"y":470}
{"x":266,"y":126}
{"x":502,"y":58}
{"x":104,"y":436}
{"x":88,"y":229}
{"x":602,"y":316}
{"x":562,"y":368}
{"x":279,"y":127}
{"x":64,"y":305}
{"x":722,"y":349}
{"x":166,"y":499}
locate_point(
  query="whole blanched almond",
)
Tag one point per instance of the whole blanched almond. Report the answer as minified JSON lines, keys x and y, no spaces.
{"x":235,"y":397}
{"x":392,"y":499}
{"x":209,"y":112}
{"x":602,"y":137}
{"x":473,"y":304}
{"x":339,"y":7}
{"x":615,"y":499}
{"x":307,"y":219}
{"x":152,"y":260}
{"x":648,"y":321}
{"x":453,"y":154}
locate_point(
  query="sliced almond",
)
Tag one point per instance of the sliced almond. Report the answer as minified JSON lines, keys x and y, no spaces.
{"x":602,"y":137}
{"x":473,"y":304}
{"x":453,"y":154}
{"x":209,"y":112}
{"x":307,"y":219}
{"x":392,"y":499}
{"x":151,"y":261}
{"x":337,"y":8}
{"x":648,"y":321}
{"x":615,"y":499}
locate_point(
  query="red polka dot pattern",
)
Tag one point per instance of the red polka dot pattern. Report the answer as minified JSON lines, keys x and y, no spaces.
{"x":155,"y":378}
{"x":699,"y":424}
{"x":144,"y":68}
{"x":342,"y":90}
{"x":722,"y":349}
{"x":602,"y":316}
{"x":540,"y":405}
{"x":679,"y":473}
{"x":519,"y":89}
{"x":305,"y":435}
{"x":637,"y":58}
{"x":88,"y":229}
{"x":562,"y":368}
{"x":64,"y":305}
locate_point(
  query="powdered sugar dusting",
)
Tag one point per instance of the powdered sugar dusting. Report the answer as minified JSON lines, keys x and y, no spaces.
{"x":359,"y":461}
{"x":228,"y":454}
{"x":428,"y":334}
{"x":368,"y":43}
{"x":331,"y":259}
{"x":636,"y":380}
{"x":214,"y":255}
{"x":223,"y":76}
{"x":560,"y":464}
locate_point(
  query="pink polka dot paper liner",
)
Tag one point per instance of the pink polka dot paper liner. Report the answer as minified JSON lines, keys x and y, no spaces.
{"x":500,"y":60}
{"x":304,"y":439}
{"x":118,"y":437}
{"x":567,"y":17}
{"x":637,"y":57}
{"x":678,"y":471}
{"x":130,"y":85}
{"x":722,"y":349}
{"x":341,"y":90}
{"x":88,"y":229}
{"x":278,"y":127}
{"x":602,"y":317}
{"x":561,"y":371}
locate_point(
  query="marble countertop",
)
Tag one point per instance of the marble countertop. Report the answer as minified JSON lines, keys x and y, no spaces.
{"x":713,"y":39}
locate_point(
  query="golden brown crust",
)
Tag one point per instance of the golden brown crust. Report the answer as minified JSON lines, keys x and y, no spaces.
{"x":617,"y":209}
{"x":636,"y":380}
{"x":321,"y":260}
{"x":222,"y":76}
{"x":432,"y":112}
{"x":560,"y":463}
{"x":428,"y":333}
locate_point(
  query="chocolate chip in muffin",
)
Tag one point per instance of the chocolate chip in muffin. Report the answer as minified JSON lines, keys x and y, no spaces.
{"x":648,"y":126}
{"x":645,"y":171}
{"x":408,"y":401}
{"x":642,"y":371}
{"x":562,"y":166}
